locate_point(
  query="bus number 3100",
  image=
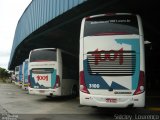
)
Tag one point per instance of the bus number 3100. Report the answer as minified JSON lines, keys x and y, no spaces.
{"x":94,"y":85}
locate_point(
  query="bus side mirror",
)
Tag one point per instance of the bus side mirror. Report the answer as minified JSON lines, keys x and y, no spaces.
{"x":148,"y":44}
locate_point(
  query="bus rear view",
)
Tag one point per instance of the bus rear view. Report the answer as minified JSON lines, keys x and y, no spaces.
{"x":43,"y":72}
{"x":16,"y":75}
{"x":25,"y":75}
{"x":112,"y":61}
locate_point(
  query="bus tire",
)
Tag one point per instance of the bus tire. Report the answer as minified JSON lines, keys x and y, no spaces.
{"x":74,"y":91}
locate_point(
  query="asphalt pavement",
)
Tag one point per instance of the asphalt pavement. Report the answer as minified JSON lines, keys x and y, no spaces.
{"x":17,"y":104}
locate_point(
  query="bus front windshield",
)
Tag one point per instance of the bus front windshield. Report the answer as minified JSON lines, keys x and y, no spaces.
{"x":43,"y":55}
{"x":111,"y":25}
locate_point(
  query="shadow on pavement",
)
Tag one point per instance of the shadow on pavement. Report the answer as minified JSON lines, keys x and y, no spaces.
{"x":56,"y":99}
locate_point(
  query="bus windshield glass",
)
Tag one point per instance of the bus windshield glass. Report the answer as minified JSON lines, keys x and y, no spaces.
{"x":111,"y":25}
{"x":43,"y":55}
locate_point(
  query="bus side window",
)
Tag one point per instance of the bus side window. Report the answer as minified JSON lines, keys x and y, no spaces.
{"x":69,"y":66}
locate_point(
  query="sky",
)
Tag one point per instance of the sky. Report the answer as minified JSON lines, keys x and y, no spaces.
{"x":10,"y":13}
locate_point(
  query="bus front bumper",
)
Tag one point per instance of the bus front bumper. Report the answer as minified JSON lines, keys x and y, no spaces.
{"x":25,"y":86}
{"x":112,"y":101}
{"x":45,"y":92}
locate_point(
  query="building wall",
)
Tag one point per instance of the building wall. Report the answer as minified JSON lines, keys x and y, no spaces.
{"x":38,"y":13}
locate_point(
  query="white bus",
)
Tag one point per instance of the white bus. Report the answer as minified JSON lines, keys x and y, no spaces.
{"x":25,"y":75}
{"x":20,"y":75}
{"x":112,"y":63}
{"x":16,"y":75}
{"x":52,"y":72}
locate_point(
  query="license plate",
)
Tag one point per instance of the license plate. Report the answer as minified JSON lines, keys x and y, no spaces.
{"x":111,"y":100}
{"x":41,"y":91}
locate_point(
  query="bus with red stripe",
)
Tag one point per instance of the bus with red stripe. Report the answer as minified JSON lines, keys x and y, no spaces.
{"x":52,"y":72}
{"x":112,"y":63}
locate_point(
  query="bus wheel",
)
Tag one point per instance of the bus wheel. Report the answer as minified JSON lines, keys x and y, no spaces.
{"x":49,"y":97}
{"x":74,"y":92}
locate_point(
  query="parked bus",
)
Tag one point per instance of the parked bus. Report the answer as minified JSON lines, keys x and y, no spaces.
{"x":13,"y":77}
{"x":112,"y":66}
{"x":25,"y":75}
{"x":52,"y":72}
{"x":20,"y":75}
{"x":16,"y":75}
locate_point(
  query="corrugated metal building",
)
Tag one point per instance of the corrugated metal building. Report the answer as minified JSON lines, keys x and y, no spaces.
{"x":49,"y":23}
{"x":38,"y":13}
{"x":56,"y":23}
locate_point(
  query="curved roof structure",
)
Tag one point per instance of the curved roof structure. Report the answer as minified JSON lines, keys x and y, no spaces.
{"x":38,"y":13}
{"x":56,"y":23}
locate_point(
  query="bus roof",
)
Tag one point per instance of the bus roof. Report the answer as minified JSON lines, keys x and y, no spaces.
{"x":108,"y":14}
{"x":44,"y":49}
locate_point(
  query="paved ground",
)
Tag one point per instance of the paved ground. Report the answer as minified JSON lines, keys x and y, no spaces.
{"x":16,"y":103}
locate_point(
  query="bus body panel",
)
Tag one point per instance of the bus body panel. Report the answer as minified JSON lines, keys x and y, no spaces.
{"x":16,"y":74}
{"x":111,"y":43}
{"x":20,"y":76}
{"x":25,"y":75}
{"x":42,"y":75}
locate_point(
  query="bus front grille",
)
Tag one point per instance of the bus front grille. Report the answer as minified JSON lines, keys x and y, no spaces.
{"x":111,"y":63}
